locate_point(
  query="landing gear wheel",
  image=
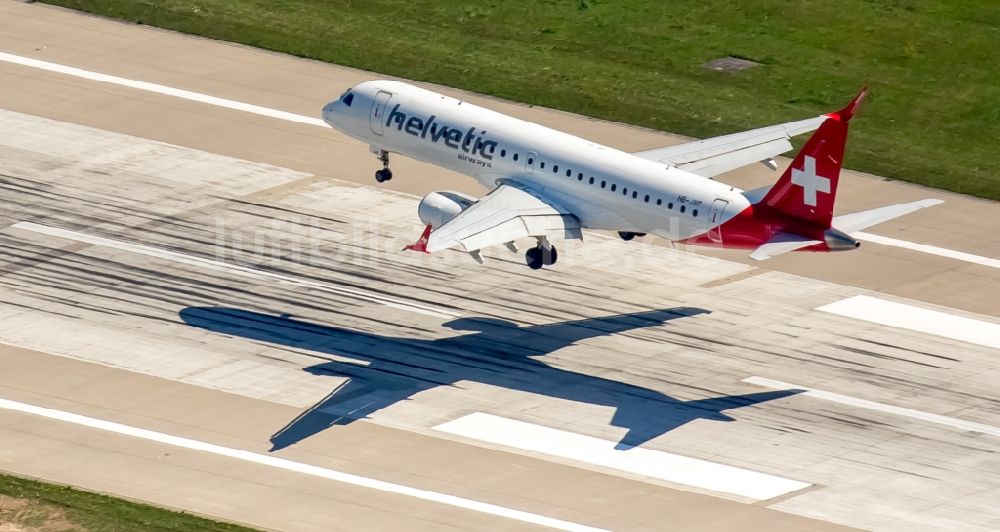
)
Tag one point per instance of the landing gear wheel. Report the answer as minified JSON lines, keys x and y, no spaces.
{"x":538,"y":256}
{"x":383,"y":175}
{"x":549,"y":257}
{"x":626,"y":235}
{"x":533,"y":257}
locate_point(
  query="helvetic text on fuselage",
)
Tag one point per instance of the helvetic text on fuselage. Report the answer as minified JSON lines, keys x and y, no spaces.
{"x":468,"y":141}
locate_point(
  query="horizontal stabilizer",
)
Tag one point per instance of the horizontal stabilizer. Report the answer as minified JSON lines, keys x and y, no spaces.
{"x":782,"y":243}
{"x":857,"y":221}
{"x":843,"y":225}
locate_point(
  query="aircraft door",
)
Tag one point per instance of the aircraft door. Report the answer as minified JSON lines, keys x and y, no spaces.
{"x":530,"y":161}
{"x":715,"y":220}
{"x":378,"y":111}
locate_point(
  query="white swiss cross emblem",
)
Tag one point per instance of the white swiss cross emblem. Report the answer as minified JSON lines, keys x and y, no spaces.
{"x":810,"y":182}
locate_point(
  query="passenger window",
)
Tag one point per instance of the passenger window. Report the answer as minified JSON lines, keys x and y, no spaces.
{"x":670,"y":205}
{"x":569,"y":172}
{"x":543,"y":164}
{"x":613,"y":187}
{"x":625,"y":191}
{"x":555,"y":169}
{"x":694,"y":213}
{"x":683,"y":207}
{"x":503,"y":153}
{"x":635,"y":194}
{"x":515,"y":156}
{"x":531,"y":160}
{"x":659,"y":201}
{"x":647,"y":198}
{"x":579,"y":177}
{"x":603,"y":183}
{"x":591,"y":180}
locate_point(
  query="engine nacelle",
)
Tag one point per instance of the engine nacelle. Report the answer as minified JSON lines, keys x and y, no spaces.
{"x":437,"y":208}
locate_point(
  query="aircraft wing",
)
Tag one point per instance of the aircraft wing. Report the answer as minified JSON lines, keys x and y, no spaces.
{"x":714,"y":156}
{"x":506,"y":214}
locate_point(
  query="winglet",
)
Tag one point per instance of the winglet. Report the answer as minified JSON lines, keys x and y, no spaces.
{"x":845,"y":114}
{"x":421,"y":243}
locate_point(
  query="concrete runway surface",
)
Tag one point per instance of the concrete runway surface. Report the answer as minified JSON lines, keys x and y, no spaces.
{"x":207,"y":309}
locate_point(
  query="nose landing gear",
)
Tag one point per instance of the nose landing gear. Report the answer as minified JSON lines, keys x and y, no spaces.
{"x":384,"y":174}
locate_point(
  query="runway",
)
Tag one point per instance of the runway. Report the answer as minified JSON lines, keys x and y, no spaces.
{"x":207,"y":278}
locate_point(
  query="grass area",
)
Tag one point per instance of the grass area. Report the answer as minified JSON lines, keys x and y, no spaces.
{"x":32,"y":505}
{"x":933,"y":116}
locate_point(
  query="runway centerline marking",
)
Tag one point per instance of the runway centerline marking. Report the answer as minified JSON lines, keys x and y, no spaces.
{"x":880,"y":407}
{"x":162,"y":89}
{"x":903,"y":316}
{"x":650,"y":463}
{"x":298,"y":467}
{"x":930,"y":250}
{"x":301,"y":119}
{"x":235,"y":269}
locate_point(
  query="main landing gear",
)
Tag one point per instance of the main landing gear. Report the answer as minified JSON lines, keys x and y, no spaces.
{"x":384,"y":174}
{"x":544,"y":254}
{"x":626,"y":236}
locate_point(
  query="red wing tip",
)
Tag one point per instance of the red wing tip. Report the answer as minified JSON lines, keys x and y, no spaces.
{"x":845,"y":114}
{"x":421,"y":243}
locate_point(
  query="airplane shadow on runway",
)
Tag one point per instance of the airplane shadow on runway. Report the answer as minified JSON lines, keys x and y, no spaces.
{"x":498,"y":353}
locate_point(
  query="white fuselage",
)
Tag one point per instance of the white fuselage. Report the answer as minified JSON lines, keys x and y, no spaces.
{"x":603,"y":187}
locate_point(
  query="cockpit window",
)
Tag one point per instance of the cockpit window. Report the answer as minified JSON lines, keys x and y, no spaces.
{"x":348,"y":98}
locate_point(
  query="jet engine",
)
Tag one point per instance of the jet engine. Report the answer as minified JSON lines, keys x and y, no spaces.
{"x":437,"y":208}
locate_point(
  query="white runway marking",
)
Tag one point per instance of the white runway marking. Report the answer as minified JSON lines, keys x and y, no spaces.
{"x":917,"y":319}
{"x":234,"y":269}
{"x":292,"y":117}
{"x":932,"y":250}
{"x":298,"y":467}
{"x":881,"y":407}
{"x":162,"y":89}
{"x":646,"y":462}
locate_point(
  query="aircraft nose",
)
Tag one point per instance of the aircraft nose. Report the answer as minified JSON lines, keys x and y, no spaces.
{"x":328,"y":110}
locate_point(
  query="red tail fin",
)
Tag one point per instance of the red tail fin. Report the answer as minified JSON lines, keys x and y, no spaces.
{"x":808,"y":187}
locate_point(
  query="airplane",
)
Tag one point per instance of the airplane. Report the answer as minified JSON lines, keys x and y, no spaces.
{"x":549,"y":185}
